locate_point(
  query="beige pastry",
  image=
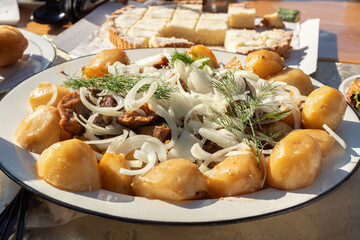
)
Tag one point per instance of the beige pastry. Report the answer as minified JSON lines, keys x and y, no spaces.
{"x":12,"y":45}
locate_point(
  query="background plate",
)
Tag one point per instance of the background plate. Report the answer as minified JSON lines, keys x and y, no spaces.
{"x":39,"y":55}
{"x":19,"y":165}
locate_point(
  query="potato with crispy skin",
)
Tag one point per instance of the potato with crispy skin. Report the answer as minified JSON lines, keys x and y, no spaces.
{"x":236,"y":175}
{"x":70,"y":165}
{"x":40,"y":129}
{"x":294,"y":163}
{"x":325,"y":105}
{"x":97,"y":67}
{"x":264,"y":63}
{"x":174,"y":179}
{"x":111,"y":178}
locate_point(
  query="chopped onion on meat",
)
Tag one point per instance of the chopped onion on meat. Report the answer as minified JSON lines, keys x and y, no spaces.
{"x":131,"y":103}
{"x":108,"y":111}
{"x":159,"y":110}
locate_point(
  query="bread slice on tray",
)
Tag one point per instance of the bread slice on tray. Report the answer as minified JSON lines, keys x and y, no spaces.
{"x":246,"y":41}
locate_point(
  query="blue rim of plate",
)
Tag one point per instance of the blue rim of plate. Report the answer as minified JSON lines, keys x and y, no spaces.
{"x":174,"y":223}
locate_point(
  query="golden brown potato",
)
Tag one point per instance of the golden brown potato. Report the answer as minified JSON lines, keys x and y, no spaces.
{"x":12,"y":45}
{"x":294,"y":163}
{"x":236,"y":175}
{"x":111,"y":178}
{"x":174,"y":179}
{"x":325,"y":140}
{"x":295,"y":77}
{"x":264,"y":63}
{"x":97,"y":67}
{"x":234,"y":63}
{"x":40,"y":129}
{"x":324,"y":105}
{"x":43,"y":94}
{"x":202,"y":51}
{"x":70,"y":165}
{"x":278,"y":129}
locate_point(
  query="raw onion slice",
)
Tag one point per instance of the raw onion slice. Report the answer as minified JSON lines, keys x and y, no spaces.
{"x":109,"y":130}
{"x":104,"y":144}
{"x":200,"y":81}
{"x":216,"y":137}
{"x":221,"y":153}
{"x":53,"y":96}
{"x":119,"y":68}
{"x":337,"y":137}
{"x":131,"y":103}
{"x":159,"y":110}
{"x":199,"y":153}
{"x":151,"y":161}
{"x":135,"y":142}
{"x":108,"y":111}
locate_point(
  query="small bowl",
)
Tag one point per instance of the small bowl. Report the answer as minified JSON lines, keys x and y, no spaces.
{"x":344,"y":87}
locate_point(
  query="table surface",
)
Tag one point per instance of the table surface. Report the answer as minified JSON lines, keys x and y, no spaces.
{"x":336,"y":216}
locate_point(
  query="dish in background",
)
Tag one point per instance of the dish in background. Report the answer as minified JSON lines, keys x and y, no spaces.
{"x":19,"y":164}
{"x":344,"y":87}
{"x":39,"y":55}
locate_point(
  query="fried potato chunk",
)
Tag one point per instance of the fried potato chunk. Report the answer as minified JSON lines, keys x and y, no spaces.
{"x":111,"y":178}
{"x":70,"y":165}
{"x":174,"y":179}
{"x":234,"y":63}
{"x":201,"y":51}
{"x":264,"y":63}
{"x":40,"y":129}
{"x":294,"y":163}
{"x":97,"y":67}
{"x":325,"y":105}
{"x":44,"y":93}
{"x":295,"y":77}
{"x":325,"y":140}
{"x":236,"y":175}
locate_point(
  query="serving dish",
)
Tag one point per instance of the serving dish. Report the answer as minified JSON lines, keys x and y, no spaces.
{"x":39,"y":55}
{"x":344,"y":87}
{"x":18,"y":164}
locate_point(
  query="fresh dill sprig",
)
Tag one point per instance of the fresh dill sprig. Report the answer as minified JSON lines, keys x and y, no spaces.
{"x":184,"y":57}
{"x":239,"y":118}
{"x":119,"y":84}
{"x":188,"y":60}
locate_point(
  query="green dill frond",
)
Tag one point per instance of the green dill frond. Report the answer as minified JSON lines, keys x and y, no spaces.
{"x":119,"y":84}
{"x":188,"y":60}
{"x":240,"y":116}
{"x":184,"y":57}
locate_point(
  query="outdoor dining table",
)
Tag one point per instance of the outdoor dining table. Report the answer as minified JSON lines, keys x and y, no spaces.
{"x":333,"y":216}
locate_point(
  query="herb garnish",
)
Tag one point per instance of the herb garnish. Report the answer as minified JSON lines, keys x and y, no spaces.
{"x":239,"y":118}
{"x":188,"y":60}
{"x":119,"y":84}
